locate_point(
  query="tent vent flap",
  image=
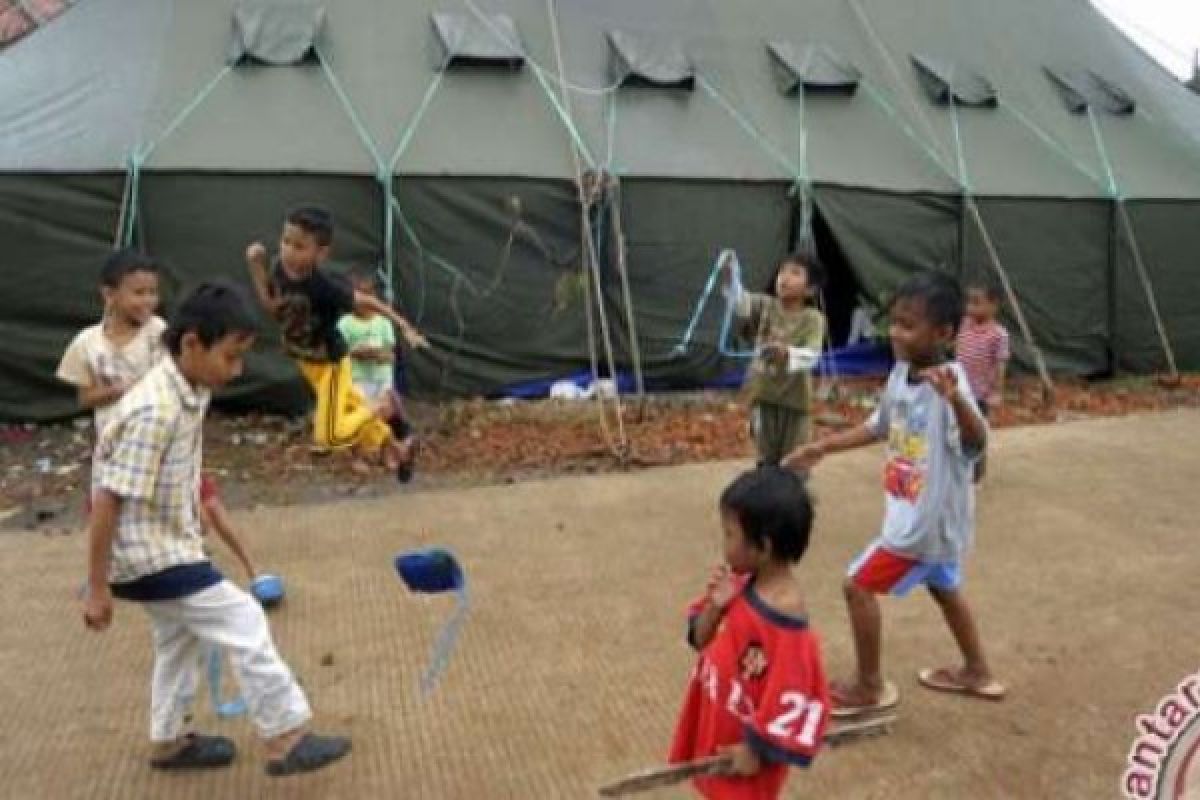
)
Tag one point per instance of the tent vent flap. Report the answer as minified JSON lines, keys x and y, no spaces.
{"x":944,"y":80}
{"x":274,"y":33}
{"x":1081,"y":88}
{"x":636,"y":60}
{"x":816,"y":68}
{"x":489,"y":42}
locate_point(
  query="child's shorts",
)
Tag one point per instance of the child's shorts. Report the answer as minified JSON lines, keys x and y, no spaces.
{"x":373,"y":391}
{"x":881,"y":571}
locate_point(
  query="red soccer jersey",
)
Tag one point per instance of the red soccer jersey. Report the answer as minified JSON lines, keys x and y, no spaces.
{"x":759,"y":681}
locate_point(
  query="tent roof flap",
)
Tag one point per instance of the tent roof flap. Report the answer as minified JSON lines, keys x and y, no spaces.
{"x":461,"y":40}
{"x":637,"y":60}
{"x":1080,"y":88}
{"x":813,"y":67}
{"x":944,"y":80}
{"x":275,"y":33}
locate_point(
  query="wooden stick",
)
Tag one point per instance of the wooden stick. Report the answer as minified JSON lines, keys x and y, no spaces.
{"x":658,"y":777}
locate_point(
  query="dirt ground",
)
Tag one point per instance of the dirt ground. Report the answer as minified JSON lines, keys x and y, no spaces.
{"x":267,"y":460}
{"x":572,"y":663}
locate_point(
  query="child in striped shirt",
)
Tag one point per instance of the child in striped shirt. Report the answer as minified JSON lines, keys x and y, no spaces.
{"x":982,"y":350}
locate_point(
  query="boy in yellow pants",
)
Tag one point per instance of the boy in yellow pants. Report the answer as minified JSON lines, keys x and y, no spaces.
{"x":307,"y":302}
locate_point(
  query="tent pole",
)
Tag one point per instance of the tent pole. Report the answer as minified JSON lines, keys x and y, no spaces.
{"x":969,"y":198}
{"x":1113,"y":325}
{"x":1139,"y":266}
{"x":1144,"y":278}
{"x":635,"y":348}
{"x":1038,"y":360}
{"x":620,"y":447}
{"x":962,"y":236}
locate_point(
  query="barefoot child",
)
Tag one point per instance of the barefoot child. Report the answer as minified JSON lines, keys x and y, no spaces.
{"x":934,"y":434}
{"x":788,"y":334}
{"x":758,"y":690}
{"x":144,"y":546}
{"x":982,"y":349}
{"x":307,"y":301}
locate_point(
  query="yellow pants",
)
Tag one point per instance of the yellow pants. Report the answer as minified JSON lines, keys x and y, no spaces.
{"x":344,"y":417}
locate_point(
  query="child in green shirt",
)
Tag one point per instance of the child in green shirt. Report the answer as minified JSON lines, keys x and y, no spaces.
{"x":371,"y":347}
{"x":788,"y":334}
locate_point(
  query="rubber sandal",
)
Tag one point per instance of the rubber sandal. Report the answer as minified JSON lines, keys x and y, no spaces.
{"x":944,"y":680}
{"x":200,"y":752}
{"x":312,"y":752}
{"x":889,"y":698}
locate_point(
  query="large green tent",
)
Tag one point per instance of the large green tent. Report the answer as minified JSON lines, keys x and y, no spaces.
{"x":459,"y":144}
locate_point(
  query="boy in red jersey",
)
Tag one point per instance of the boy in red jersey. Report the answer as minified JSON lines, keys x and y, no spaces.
{"x":758,"y":690}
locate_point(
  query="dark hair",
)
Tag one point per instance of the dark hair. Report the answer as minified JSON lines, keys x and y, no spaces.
{"x":125,"y":261}
{"x":314,"y":220}
{"x":361,"y":275}
{"x":806,"y":258}
{"x":212,"y":311}
{"x":940,"y":294}
{"x":772,"y":504}
{"x":990,"y":290}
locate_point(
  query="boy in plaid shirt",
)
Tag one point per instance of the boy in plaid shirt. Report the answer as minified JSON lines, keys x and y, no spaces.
{"x":144,"y":545}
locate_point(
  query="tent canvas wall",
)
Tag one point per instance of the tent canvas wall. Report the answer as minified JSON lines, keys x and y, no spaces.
{"x":460,"y":183}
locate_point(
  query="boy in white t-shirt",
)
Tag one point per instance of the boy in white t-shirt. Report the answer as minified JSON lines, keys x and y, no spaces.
{"x":105,"y":360}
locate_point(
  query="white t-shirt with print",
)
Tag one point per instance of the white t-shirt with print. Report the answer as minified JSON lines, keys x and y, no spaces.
{"x":928,"y":473}
{"x":92,"y":359}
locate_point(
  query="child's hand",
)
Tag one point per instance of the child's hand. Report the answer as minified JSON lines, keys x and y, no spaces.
{"x":806,"y":456}
{"x":775,"y":353}
{"x":995,"y":401}
{"x":98,"y":608}
{"x":943,"y":380}
{"x":256,"y":256}
{"x":722,"y":588}
{"x":745,"y":762}
{"x":415,"y":339}
{"x":726,"y":270}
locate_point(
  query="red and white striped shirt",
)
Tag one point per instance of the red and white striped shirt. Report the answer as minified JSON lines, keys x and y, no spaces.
{"x":981,"y":348}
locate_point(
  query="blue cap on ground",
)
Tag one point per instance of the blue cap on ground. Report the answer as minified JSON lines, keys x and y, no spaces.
{"x":267,"y":589}
{"x":430,"y":570}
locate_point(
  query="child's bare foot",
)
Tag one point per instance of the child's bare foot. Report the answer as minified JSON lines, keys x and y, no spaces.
{"x":850,"y":699}
{"x":391,"y":456}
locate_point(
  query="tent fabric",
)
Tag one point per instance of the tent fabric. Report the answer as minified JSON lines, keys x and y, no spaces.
{"x":1081,"y":88}
{"x":1052,"y":250}
{"x":479,"y":168}
{"x":639,"y":60}
{"x":812,"y":67}
{"x":1169,"y":239}
{"x":943,"y":81}
{"x":466,"y":40}
{"x":274,"y":32}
